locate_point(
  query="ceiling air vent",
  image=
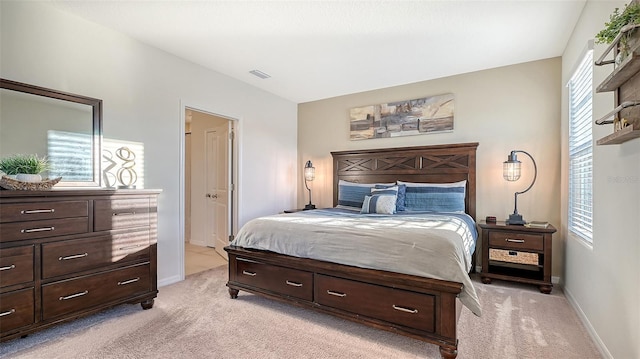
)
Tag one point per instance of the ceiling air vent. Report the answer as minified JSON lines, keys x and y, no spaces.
{"x":260,"y":74}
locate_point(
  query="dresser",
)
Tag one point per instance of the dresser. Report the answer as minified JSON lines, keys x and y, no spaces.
{"x":70,"y":253}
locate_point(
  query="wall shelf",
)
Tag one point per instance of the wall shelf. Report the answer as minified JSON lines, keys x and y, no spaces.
{"x":625,"y":83}
{"x":627,"y":69}
{"x":628,"y":133}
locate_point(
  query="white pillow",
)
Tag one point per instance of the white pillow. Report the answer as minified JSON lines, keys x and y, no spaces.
{"x":379,"y":203}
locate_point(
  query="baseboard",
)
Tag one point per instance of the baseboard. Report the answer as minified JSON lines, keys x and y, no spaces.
{"x":592,"y":332}
{"x":198,"y":243}
{"x":170,"y":280}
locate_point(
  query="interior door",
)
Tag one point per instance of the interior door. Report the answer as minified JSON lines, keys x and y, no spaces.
{"x":217,"y":144}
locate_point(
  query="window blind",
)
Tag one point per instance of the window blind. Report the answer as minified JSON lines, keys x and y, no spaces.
{"x":580,"y":150}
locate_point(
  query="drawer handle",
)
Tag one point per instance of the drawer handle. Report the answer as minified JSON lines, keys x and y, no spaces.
{"x":337,"y":294}
{"x":129,"y":281}
{"x":514,"y":240}
{"x":75,"y":256}
{"x":129,"y":247}
{"x":249,"y":273}
{"x":74,"y":295}
{"x":294,"y":284}
{"x":124,"y":213}
{"x":43,"y":229}
{"x":35,"y":211}
{"x":9,"y":312}
{"x":8,"y":267}
{"x":403,"y":309}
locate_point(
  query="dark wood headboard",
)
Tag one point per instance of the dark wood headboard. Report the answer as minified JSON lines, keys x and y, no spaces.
{"x":432,"y":164}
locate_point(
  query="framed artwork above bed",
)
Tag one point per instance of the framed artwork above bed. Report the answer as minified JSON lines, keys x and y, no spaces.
{"x":403,"y":118}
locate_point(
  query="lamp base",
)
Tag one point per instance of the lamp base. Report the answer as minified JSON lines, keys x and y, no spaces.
{"x":516,"y":219}
{"x":309,"y":206}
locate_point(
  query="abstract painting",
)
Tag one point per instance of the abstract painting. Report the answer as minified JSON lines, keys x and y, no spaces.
{"x":403,"y":118}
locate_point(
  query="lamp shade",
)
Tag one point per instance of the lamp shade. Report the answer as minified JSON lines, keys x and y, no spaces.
{"x":309,"y":175}
{"x":511,"y":172}
{"x":511,"y":167}
{"x":309,"y":171}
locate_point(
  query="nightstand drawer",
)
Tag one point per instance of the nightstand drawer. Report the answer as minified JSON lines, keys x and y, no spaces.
{"x":515,"y":240}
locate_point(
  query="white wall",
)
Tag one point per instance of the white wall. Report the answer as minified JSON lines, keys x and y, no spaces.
{"x":508,"y":108}
{"x":142,"y":89}
{"x":603,"y":281}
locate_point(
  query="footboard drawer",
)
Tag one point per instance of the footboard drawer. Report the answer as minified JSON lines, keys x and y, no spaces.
{"x":287,"y":281}
{"x":396,"y":306}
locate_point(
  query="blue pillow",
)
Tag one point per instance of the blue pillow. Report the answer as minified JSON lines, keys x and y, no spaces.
{"x":402,"y":189}
{"x":351,"y":195}
{"x":382,"y":203}
{"x":436,"y":197}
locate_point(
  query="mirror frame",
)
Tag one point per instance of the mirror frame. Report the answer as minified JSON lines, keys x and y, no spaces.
{"x":96,"y":105}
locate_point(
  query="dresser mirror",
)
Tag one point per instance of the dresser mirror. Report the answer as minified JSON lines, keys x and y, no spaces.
{"x":66,"y":128}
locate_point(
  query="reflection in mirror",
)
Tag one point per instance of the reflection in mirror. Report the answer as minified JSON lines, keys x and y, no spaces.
{"x":63,"y":127}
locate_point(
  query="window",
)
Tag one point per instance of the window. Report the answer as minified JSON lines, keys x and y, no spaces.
{"x":581,"y":149}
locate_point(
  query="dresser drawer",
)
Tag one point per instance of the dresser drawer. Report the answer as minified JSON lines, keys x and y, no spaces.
{"x":66,"y":257}
{"x":120,"y":213}
{"x":19,"y":212}
{"x":16,"y":265}
{"x":515,"y":240}
{"x":17,"y":231}
{"x":86,"y":292}
{"x":396,"y":306}
{"x":16,"y":310}
{"x":281,"y":280}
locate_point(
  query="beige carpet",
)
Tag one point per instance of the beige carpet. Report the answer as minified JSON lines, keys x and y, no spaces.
{"x":197,"y":319}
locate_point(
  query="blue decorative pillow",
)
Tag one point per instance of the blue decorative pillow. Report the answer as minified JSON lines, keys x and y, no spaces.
{"x":379,"y":203}
{"x":351,"y":195}
{"x":435,"y":197}
{"x":402,"y":190}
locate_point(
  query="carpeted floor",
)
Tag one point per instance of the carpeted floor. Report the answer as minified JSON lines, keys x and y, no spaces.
{"x":197,"y":319}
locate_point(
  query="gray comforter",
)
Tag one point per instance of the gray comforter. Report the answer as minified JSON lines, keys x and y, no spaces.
{"x":423,"y":244}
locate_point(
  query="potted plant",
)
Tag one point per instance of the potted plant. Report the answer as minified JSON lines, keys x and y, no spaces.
{"x":25,"y":168}
{"x":617,"y":21}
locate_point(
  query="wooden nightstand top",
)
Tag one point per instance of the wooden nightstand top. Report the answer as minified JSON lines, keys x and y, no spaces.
{"x":501,"y":225}
{"x":294,"y":210}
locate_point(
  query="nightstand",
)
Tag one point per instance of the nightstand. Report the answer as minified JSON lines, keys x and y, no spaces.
{"x":293,"y":210}
{"x":516,"y":253}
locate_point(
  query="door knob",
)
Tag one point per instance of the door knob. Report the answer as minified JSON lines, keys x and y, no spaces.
{"x":209,"y":195}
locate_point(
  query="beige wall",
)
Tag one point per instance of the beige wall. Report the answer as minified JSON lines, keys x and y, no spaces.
{"x":514,"y":107}
{"x":603,"y":280}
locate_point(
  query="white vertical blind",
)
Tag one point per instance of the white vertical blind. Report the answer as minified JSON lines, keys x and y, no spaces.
{"x":580,"y":150}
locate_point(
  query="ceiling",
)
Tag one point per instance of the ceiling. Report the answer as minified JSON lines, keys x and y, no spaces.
{"x":319,"y":49}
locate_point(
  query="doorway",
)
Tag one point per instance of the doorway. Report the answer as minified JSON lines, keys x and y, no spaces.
{"x":209,"y":189}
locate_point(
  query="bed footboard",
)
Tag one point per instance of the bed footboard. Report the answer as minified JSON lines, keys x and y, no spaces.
{"x":417,"y":307}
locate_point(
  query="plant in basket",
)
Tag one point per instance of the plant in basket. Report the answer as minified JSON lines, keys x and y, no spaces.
{"x":26,"y":168}
{"x":617,"y":21}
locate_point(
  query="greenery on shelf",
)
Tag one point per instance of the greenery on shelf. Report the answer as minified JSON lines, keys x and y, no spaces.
{"x":28,"y":164}
{"x":617,"y":20}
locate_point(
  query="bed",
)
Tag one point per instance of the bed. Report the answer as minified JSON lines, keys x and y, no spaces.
{"x":372,"y":289}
